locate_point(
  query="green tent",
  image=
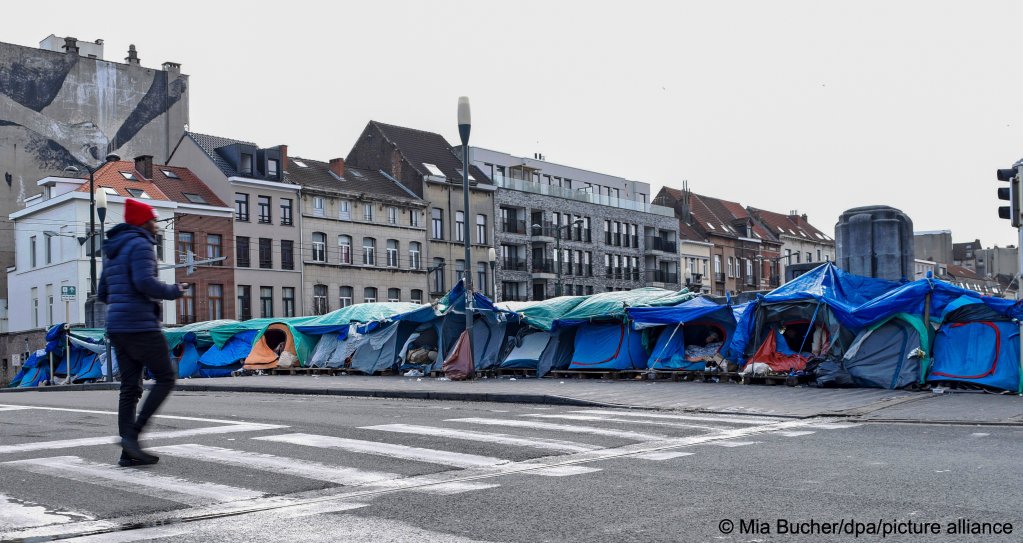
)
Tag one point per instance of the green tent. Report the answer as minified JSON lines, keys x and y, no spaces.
{"x":568,"y":310}
{"x":339,"y":319}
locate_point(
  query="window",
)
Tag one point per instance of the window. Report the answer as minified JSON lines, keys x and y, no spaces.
{"x":317,"y":206}
{"x":48,"y":248}
{"x":266,"y":259}
{"x":346,"y":296}
{"x":49,"y":306}
{"x":241,"y":207}
{"x":194,"y":198}
{"x":369,"y":295}
{"x":731,"y":267}
{"x":481,"y":277}
{"x":186,"y":305}
{"x":242,"y":249}
{"x":32,"y":252}
{"x":271,"y":167}
{"x":138,"y":193}
{"x":345,"y":210}
{"x":717,"y":263}
{"x":266,"y":302}
{"x":481,"y":229}
{"x":392,"y":253}
{"x":437,"y":218}
{"x":749,"y":267}
{"x":35,"y":307}
{"x":129,"y":176}
{"x":392,"y":215}
{"x":286,"y":212}
{"x":369,"y":248}
{"x":186,"y":245}
{"x":414,"y":254}
{"x":215,"y":248}
{"x":818,"y":255}
{"x":319,"y":247}
{"x":438,"y":275}
{"x":246,"y":164}
{"x":589,"y":289}
{"x":809,"y":257}
{"x":413,"y":217}
{"x":288,"y":297}
{"x":170,"y":174}
{"x":263,"y":206}
{"x":244,"y":302}
{"x":459,"y":270}
{"x":216,"y":301}
{"x":344,"y":249}
{"x":416,"y":296}
{"x":367,"y":212}
{"x":394,"y":295}
{"x":287,"y":254}
{"x":459,"y":226}
{"x":616,"y":236}
{"x":319,"y":299}
{"x":159,"y":247}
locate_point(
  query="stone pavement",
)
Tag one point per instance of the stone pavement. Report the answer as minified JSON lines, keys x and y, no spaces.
{"x":780,"y":401}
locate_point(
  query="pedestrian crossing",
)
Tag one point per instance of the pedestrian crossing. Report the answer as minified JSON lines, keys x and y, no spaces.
{"x":196,"y":475}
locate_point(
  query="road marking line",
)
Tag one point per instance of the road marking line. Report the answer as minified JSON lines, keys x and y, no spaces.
{"x":97,"y":412}
{"x":503,"y":439}
{"x":796,"y":433}
{"x":13,"y":408}
{"x":149,"y":436}
{"x":404,"y":452}
{"x":134,"y":480}
{"x":626,"y":421}
{"x":833,"y":425}
{"x":624,"y":434}
{"x":15,"y":514}
{"x":734,"y":443}
{"x":667,"y":455}
{"x":703,"y":418}
{"x":307,"y":469}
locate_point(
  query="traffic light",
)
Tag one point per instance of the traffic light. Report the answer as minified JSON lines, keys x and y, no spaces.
{"x":1012,"y":194}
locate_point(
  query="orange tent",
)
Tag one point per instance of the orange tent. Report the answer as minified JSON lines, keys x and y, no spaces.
{"x":275,"y":348}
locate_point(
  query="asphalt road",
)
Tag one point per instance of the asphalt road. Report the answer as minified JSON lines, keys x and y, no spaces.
{"x":260,"y":467}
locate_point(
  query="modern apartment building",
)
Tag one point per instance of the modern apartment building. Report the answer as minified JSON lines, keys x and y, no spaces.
{"x":568,"y":231}
{"x":267,"y":247}
{"x":366,"y":232}
{"x":427,"y":165}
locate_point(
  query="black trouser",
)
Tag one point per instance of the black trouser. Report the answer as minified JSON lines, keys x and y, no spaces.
{"x":136,"y":352}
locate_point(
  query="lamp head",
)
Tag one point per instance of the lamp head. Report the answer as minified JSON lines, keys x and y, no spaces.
{"x":101,"y":199}
{"x":492,"y":254}
{"x":464,"y":115}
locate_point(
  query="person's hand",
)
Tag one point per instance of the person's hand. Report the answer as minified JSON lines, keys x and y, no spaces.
{"x":183,"y":287}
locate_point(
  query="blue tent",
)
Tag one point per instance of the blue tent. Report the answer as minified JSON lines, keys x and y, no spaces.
{"x":186,"y":355}
{"x":222,"y":361}
{"x":815,"y":307}
{"x":686,"y":324}
{"x":978,"y":343}
{"x":489,"y":328}
{"x":35,"y":370}
{"x":541,"y":350}
{"x":608,"y":346}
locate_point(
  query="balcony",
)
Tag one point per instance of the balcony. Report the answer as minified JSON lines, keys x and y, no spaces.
{"x":623,"y":275}
{"x":719,"y":277}
{"x":749,"y":281}
{"x":513,"y":264}
{"x":581,"y":196}
{"x":544,"y":266}
{"x":661,"y":276}
{"x":513,"y":227}
{"x":695,"y":281}
{"x":661,"y":244}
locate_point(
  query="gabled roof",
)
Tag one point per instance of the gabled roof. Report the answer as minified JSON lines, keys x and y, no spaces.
{"x":109,"y":175}
{"x":790,"y":225}
{"x":421,"y":148}
{"x":317,"y":174}
{"x":727,"y":212}
{"x":185,"y":183}
{"x":961,"y":272}
{"x":209,"y":145}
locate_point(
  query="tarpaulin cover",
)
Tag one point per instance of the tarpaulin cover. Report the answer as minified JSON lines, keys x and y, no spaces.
{"x":278,"y":345}
{"x":605,"y":306}
{"x":339,"y":320}
{"x":979,"y":352}
{"x":221,"y":334}
{"x":221,"y":361}
{"x":775,"y":353}
{"x":200,"y":330}
{"x":611,"y":346}
{"x":187,"y":360}
{"x":944,"y":297}
{"x":458,"y":365}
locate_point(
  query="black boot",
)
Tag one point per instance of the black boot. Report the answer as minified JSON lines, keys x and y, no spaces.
{"x":130,"y":448}
{"x":126,"y":461}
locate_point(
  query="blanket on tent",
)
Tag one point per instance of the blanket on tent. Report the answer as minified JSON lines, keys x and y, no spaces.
{"x":775,"y":353}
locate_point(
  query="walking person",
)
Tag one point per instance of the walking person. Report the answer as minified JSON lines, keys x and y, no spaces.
{"x":134,"y":297}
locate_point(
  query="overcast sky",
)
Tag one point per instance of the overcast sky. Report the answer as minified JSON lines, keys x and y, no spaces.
{"x":812,"y":106}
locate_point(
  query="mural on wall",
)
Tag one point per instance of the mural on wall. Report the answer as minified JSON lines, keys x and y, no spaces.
{"x":62,"y":109}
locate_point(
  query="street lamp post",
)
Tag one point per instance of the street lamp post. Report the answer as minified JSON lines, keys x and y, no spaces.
{"x":492,"y":257}
{"x":464,"y":125}
{"x":92,"y":232}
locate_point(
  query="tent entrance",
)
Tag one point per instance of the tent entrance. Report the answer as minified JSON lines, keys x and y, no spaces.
{"x":275,"y":339}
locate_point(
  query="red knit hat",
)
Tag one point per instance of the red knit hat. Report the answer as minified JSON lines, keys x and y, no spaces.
{"x":137,"y":213}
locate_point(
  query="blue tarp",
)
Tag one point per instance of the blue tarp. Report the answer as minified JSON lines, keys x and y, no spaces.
{"x":220,"y":362}
{"x":911,"y":298}
{"x":669,"y":351}
{"x":980,"y":352}
{"x":612,"y":346}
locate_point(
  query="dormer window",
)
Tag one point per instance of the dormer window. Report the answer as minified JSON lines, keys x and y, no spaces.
{"x":271,"y":167}
{"x":245,"y":166}
{"x":169,"y":174}
{"x":138,"y":193}
{"x":130,"y":176}
{"x":110,"y":191}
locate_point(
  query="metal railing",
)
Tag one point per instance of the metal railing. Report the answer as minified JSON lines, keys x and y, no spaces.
{"x":660,"y":244}
{"x":513,"y":227}
{"x":546,"y":265}
{"x":719,"y":277}
{"x":661,"y":276}
{"x":516,"y":264}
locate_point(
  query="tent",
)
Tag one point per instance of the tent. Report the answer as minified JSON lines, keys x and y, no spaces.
{"x":541,"y":350}
{"x":329,"y":351}
{"x":489,"y":328}
{"x":890,"y":354}
{"x":608,"y":346}
{"x":978,"y":343}
{"x":186,"y":356}
{"x":605,"y":306}
{"x":221,"y":360}
{"x":810,"y":316}
{"x":683,"y":332}
{"x":34,"y":371}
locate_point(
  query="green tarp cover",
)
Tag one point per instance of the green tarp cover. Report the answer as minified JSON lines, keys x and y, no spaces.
{"x":201,"y":330}
{"x":359,"y":313}
{"x":96,"y":335}
{"x":303,"y":343}
{"x":569,"y":310}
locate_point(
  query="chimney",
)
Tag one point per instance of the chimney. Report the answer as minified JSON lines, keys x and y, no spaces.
{"x":804,"y":217}
{"x":144,"y":165}
{"x":172,"y":67}
{"x":337,"y":166}
{"x":284,"y":160}
{"x":687,"y":212}
{"x":71,"y":45}
{"x":133,"y":55}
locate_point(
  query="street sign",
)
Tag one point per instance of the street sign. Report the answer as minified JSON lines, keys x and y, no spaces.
{"x":68,"y":294}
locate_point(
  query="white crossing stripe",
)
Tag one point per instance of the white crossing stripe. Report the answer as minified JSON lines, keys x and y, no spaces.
{"x":627,"y":421}
{"x":307,"y":469}
{"x":503,"y":439}
{"x":797,"y":433}
{"x":624,"y":434}
{"x":833,"y":425}
{"x":734,"y":443}
{"x":13,"y":408}
{"x":702,"y":418}
{"x":662,"y":455}
{"x":149,"y":436}
{"x":14,"y":514}
{"x":404,"y":452}
{"x":133,"y":480}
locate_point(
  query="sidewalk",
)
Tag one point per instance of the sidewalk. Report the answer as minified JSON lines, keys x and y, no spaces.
{"x":780,"y":401}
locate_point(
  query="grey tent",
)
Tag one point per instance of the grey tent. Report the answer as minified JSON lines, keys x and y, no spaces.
{"x":891,"y":354}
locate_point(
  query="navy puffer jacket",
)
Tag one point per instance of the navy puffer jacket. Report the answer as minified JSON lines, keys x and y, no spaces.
{"x":129,"y":284}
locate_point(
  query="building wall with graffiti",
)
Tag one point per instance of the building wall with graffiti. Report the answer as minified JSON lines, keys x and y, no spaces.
{"x":66,"y":108}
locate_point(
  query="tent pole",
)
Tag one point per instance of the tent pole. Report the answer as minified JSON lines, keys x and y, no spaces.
{"x":813,"y":319}
{"x":927,"y":328}
{"x":650,"y":371}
